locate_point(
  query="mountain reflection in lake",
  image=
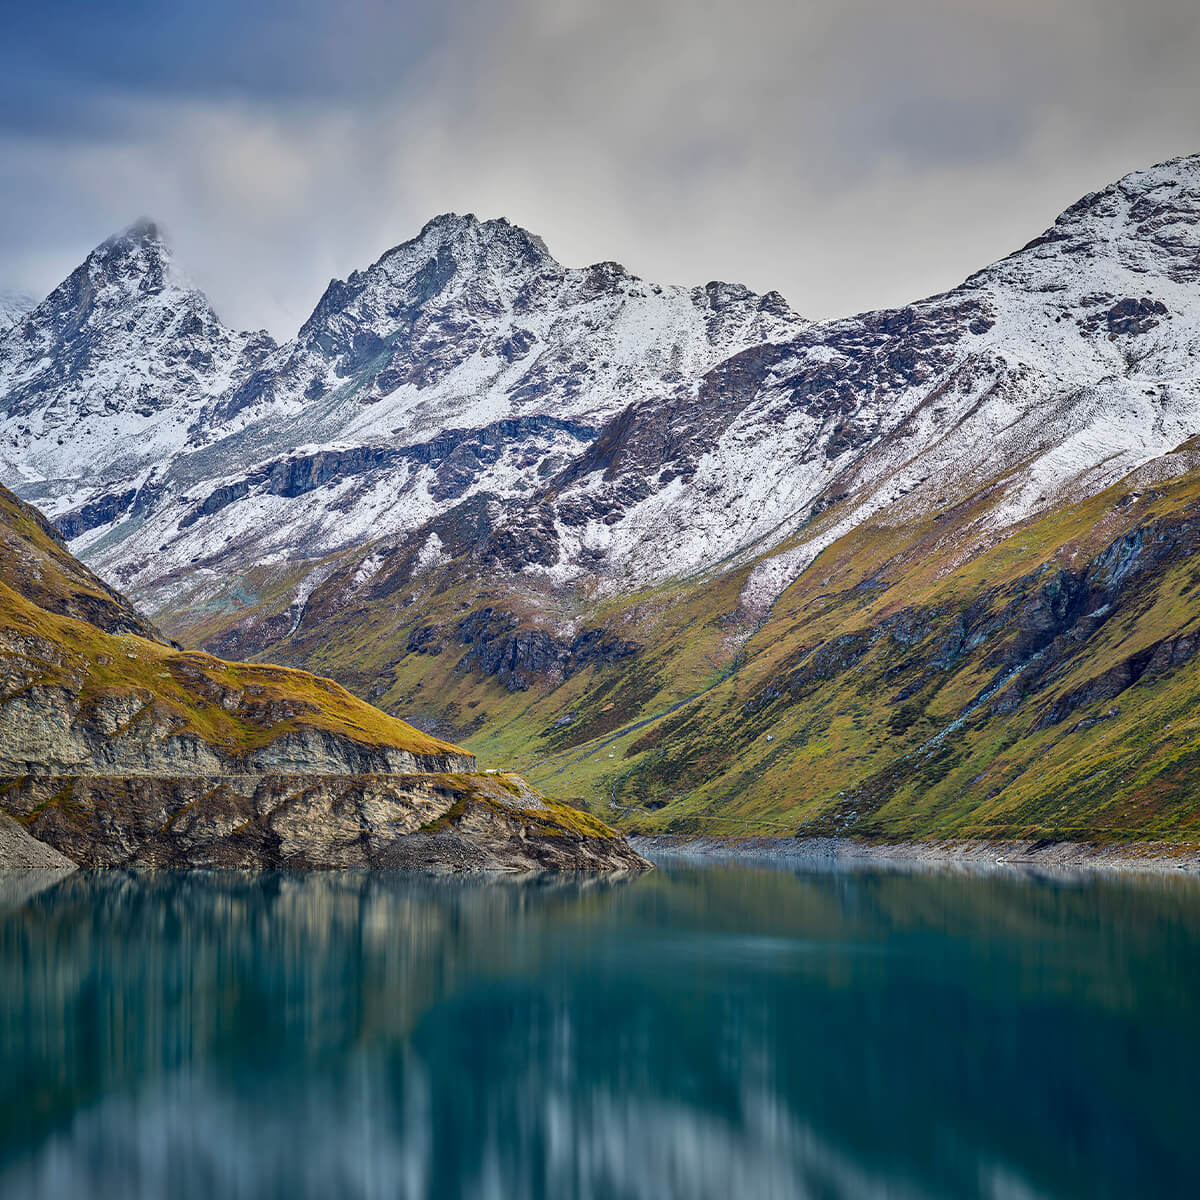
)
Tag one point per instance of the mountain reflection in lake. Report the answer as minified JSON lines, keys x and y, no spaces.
{"x":701,"y":1031}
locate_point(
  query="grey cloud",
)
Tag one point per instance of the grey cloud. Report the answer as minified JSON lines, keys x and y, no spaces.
{"x":850,"y":154}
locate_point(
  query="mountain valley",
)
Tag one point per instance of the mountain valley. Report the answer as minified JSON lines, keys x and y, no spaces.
{"x":703,"y":565}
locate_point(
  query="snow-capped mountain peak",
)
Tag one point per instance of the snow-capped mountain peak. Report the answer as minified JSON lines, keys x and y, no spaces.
{"x":465,"y":361}
{"x":137,"y":259}
{"x":593,"y":429}
{"x":104,"y":376}
{"x":1147,"y":223}
{"x":474,"y":321}
{"x":481,"y":265}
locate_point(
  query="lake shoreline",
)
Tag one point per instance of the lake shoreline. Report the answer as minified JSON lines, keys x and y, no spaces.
{"x":1130,"y":856}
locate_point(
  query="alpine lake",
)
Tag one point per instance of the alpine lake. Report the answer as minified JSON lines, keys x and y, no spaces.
{"x":711,"y":1029}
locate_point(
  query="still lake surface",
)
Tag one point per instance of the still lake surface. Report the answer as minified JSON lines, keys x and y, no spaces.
{"x":702,"y":1031}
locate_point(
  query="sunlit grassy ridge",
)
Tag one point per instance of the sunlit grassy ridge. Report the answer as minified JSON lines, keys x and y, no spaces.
{"x":45,"y":596}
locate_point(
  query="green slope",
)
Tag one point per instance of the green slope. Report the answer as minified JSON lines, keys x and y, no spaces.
{"x":916,"y":681}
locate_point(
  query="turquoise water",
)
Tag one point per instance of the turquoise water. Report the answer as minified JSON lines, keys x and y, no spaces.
{"x":699,"y":1032}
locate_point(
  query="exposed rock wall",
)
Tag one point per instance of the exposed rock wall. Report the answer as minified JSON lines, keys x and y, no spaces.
{"x":43,"y":731}
{"x":432,"y":821}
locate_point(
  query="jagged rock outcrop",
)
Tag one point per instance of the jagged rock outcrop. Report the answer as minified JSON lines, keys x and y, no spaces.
{"x":500,"y":646}
{"x":427,"y":821}
{"x":49,"y":730}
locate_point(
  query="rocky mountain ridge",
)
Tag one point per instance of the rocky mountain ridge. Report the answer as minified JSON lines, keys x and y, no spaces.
{"x":619,"y":432}
{"x":465,"y":363}
{"x":1041,"y":380}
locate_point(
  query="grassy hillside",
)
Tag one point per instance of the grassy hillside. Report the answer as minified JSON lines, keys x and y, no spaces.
{"x":35,"y":564}
{"x":61,"y":627}
{"x":118,"y":748}
{"x":920,"y":679}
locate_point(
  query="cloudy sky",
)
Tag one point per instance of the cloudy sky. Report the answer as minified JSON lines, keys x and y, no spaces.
{"x":851,"y":153}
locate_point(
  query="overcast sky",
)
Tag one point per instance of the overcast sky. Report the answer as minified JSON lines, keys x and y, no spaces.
{"x":852,"y":154}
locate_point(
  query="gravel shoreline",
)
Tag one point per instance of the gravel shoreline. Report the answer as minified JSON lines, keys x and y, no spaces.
{"x":1132,"y":856}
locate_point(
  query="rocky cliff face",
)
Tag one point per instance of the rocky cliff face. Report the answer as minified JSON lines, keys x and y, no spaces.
{"x":426,"y":821}
{"x":61,"y":730}
{"x":89,"y":687}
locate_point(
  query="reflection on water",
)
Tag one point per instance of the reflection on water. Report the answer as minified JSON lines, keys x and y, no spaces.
{"x":702,"y":1031}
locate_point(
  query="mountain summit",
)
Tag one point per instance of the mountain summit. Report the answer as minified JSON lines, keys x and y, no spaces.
{"x":463,"y":362}
{"x":105,"y":375}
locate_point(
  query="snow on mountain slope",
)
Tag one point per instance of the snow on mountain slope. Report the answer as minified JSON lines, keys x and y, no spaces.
{"x":473,"y":322}
{"x":13,"y":307}
{"x":1042,"y":378}
{"x":108,"y":374}
{"x":466,"y":361}
{"x":599,"y":432}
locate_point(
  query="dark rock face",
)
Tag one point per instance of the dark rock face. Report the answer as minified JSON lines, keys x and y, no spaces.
{"x":527,"y":540}
{"x":673,"y":433}
{"x":831,"y":659}
{"x":132,"y":502}
{"x":501,"y":647}
{"x":257,"y":386}
{"x":216,"y":500}
{"x":1128,"y":316}
{"x":1031,"y":634}
{"x":459,"y":457}
{"x":295,"y":476}
{"x":649,"y":445}
{"x":96,"y":513}
{"x":424,"y":640}
{"x":292,"y":477}
{"x":1134,"y":316}
{"x":1146,"y":665}
{"x":1105,"y":686}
